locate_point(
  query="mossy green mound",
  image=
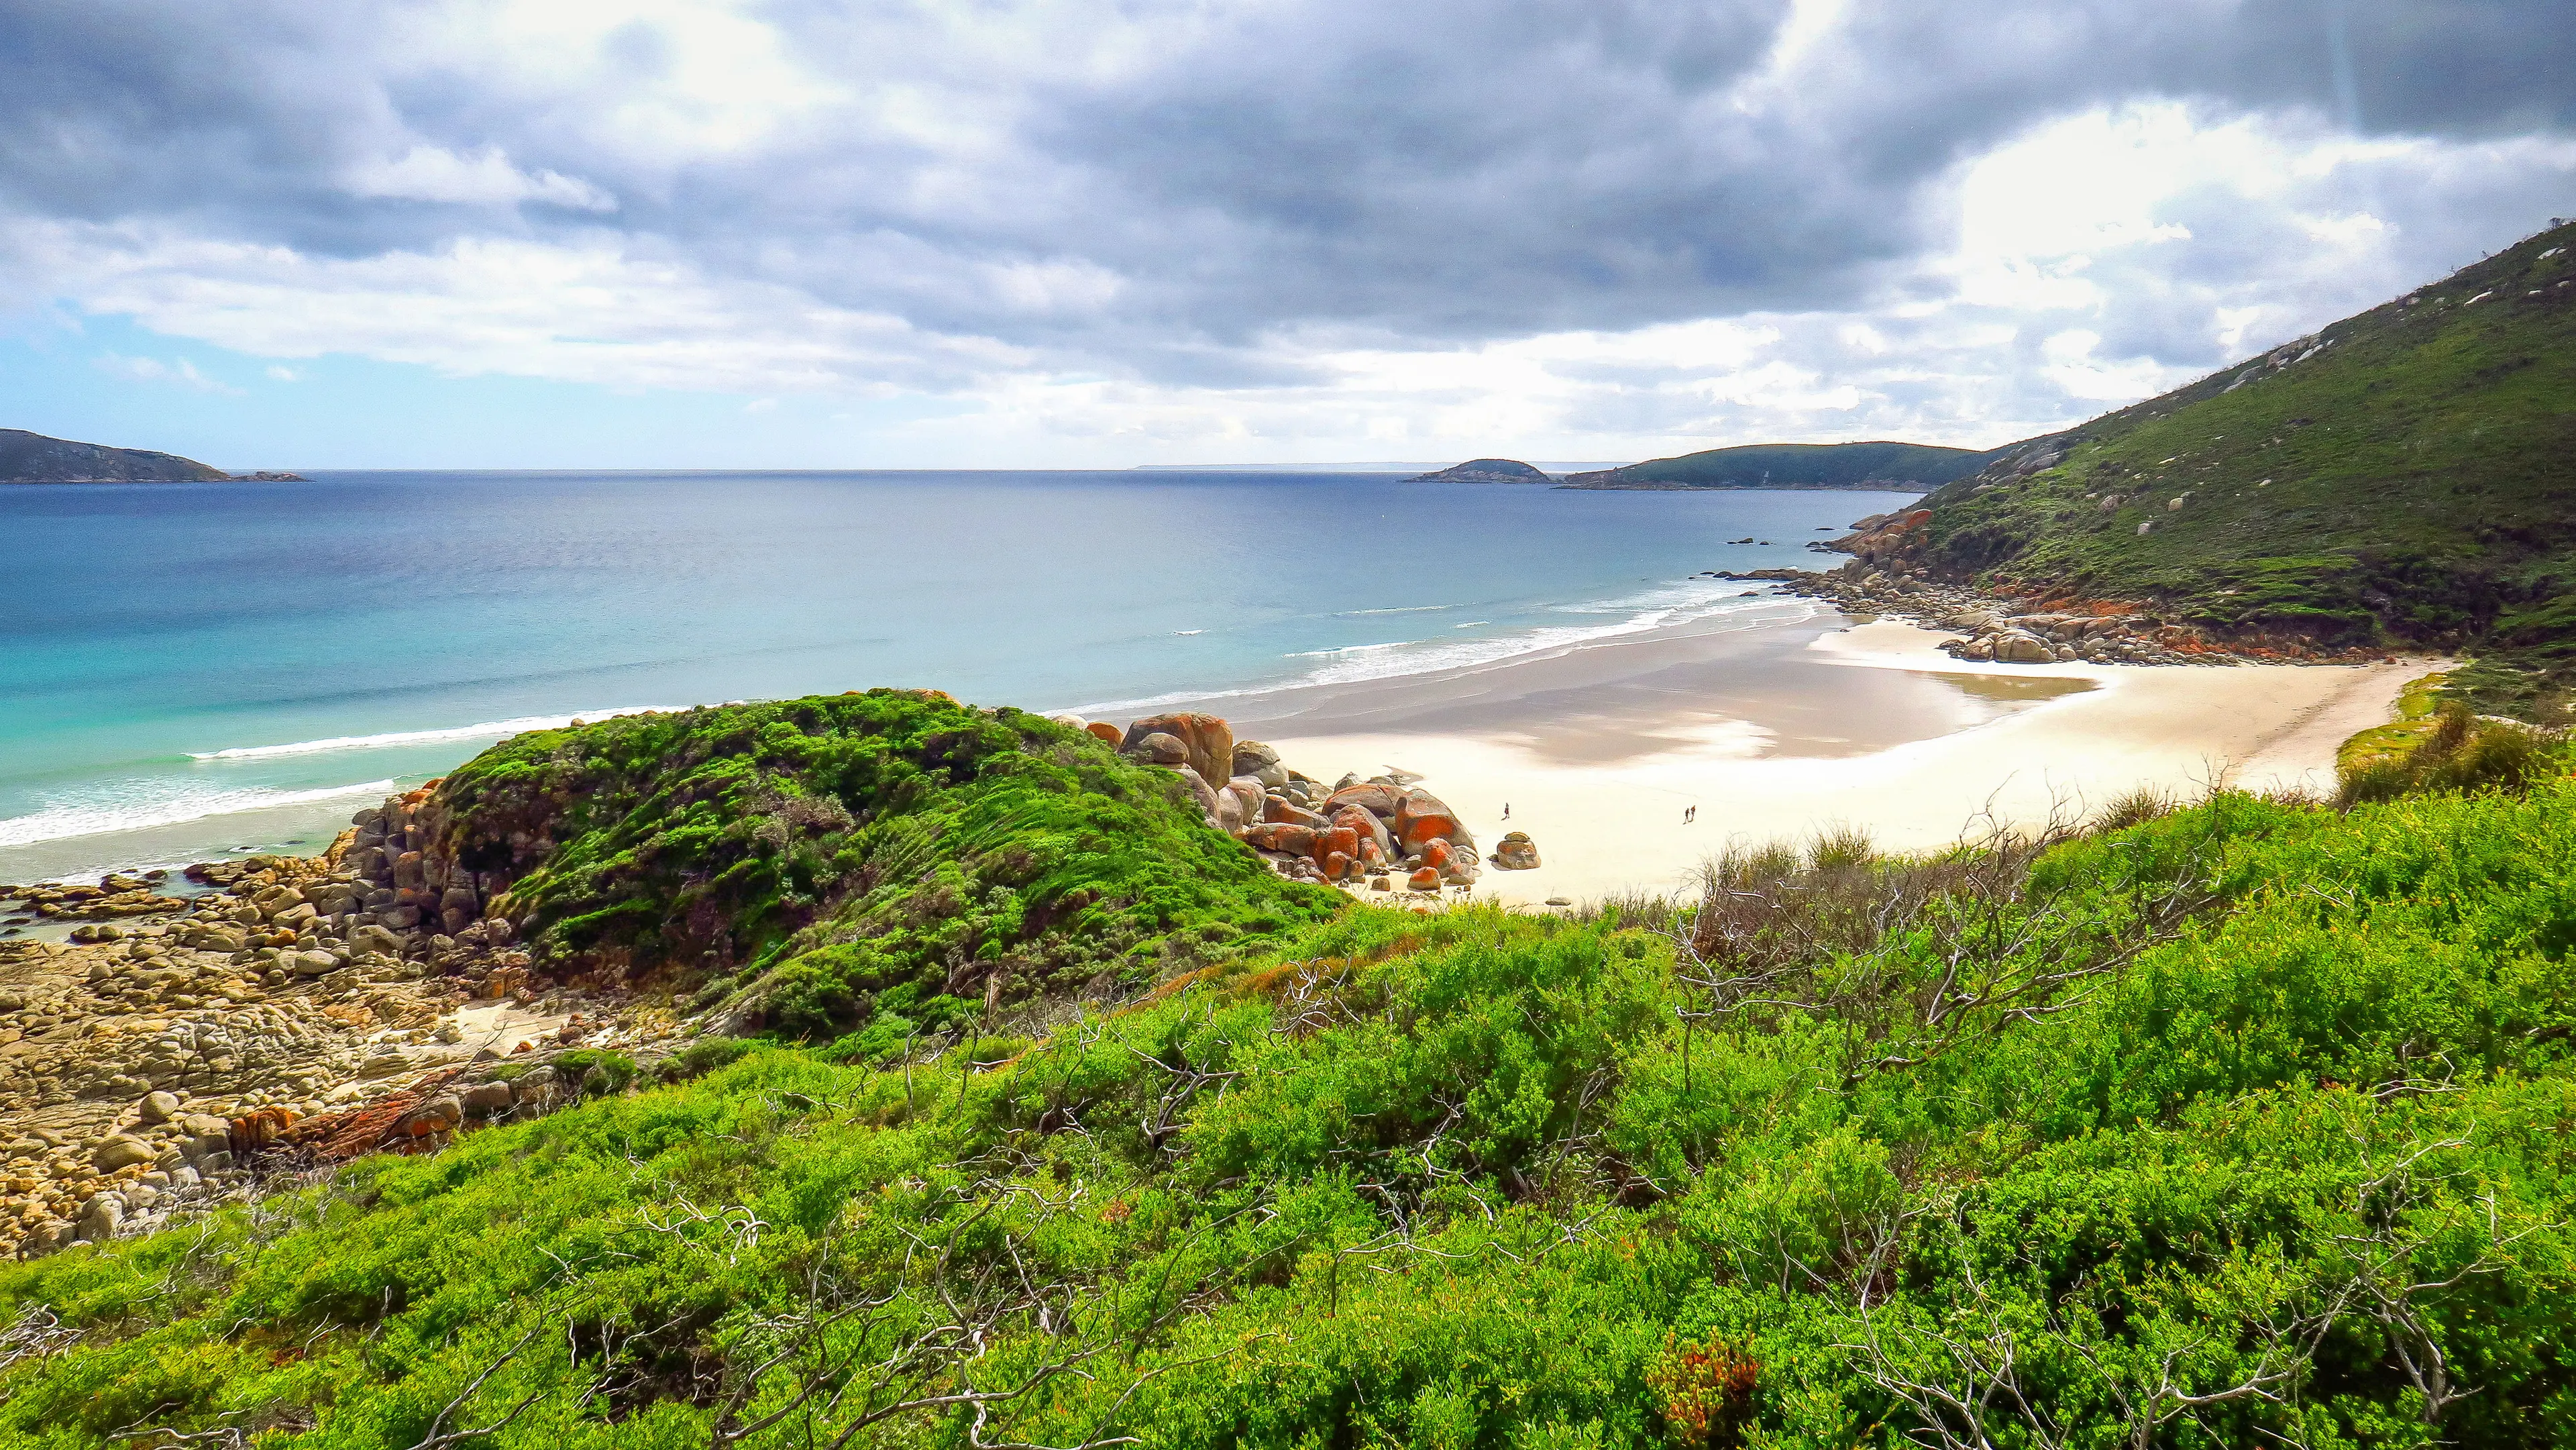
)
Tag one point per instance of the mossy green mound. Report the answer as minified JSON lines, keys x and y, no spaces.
{"x":891,"y":858}
{"x":2245,"y":1124}
{"x":2406,"y":477}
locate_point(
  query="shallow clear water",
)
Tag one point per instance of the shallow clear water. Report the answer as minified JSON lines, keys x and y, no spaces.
{"x":191,"y":668}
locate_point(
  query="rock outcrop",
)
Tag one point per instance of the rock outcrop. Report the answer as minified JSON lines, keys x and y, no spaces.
{"x":1353,"y":831}
{"x":178,"y":1047}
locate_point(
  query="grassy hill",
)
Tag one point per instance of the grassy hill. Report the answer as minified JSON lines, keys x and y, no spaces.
{"x":34,"y":458}
{"x":2405,"y":477}
{"x":890,"y":859}
{"x":2241,"y":1124}
{"x":1795,"y":465}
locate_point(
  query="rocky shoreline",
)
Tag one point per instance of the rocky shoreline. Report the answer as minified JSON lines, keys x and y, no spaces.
{"x":185,"y":1046}
{"x":178,"y":1052}
{"x":1885,"y":578}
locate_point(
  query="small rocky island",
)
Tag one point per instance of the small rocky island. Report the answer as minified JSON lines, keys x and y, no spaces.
{"x":1486,"y":470}
{"x":34,"y":458}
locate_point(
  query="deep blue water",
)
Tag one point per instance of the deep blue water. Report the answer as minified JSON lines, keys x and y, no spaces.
{"x":147,"y":629}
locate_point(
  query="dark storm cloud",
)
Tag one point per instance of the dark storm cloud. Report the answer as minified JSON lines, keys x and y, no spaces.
{"x":1398,"y":175}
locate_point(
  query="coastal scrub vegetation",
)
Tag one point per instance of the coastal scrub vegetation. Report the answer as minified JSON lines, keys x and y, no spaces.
{"x":2405,"y":477}
{"x":888,"y":863}
{"x":2237,"y":1122}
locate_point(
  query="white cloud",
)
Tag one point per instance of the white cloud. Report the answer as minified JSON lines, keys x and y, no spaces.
{"x":483,"y":178}
{"x":282,"y":374}
{"x":179,"y":371}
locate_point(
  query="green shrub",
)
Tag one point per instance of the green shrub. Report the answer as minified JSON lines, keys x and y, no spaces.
{"x":811,"y":856}
{"x":2198,"y":1131}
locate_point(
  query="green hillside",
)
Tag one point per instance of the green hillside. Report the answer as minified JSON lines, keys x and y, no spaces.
{"x":2240,"y":1125}
{"x":891,"y":857}
{"x":34,"y":458}
{"x":2405,"y":477}
{"x":1795,"y":465}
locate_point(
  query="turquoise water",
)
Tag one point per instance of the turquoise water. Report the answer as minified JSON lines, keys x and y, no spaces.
{"x":189,"y":669}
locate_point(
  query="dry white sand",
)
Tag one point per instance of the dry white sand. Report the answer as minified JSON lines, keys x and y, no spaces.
{"x":1616,"y":826}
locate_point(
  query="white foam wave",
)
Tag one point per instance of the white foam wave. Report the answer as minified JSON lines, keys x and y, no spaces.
{"x":1407,"y":609}
{"x":1648,"y":610}
{"x":57,"y":823}
{"x":493,"y":728}
{"x":1348,"y":649}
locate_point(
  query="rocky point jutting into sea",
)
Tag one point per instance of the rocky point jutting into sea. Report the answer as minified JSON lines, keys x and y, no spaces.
{"x":1893,"y":574}
{"x":186,"y":1047}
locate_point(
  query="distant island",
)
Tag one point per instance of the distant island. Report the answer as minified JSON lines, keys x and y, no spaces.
{"x":1486,"y":470}
{"x":34,"y":458}
{"x":1796,"y":465}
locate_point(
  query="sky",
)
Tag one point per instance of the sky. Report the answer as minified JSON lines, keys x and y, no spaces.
{"x":1034,"y":233}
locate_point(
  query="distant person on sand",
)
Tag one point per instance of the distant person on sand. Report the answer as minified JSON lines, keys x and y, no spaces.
{"x":1507,"y":810}
{"x":1689,"y":814}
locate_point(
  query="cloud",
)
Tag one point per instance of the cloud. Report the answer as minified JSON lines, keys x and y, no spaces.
{"x":484,"y":178}
{"x":1297,"y":222}
{"x":152,"y":370}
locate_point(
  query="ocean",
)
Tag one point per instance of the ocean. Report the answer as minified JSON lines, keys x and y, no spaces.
{"x":194,"y":670}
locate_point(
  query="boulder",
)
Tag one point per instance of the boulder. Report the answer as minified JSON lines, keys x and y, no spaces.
{"x":1287,"y":812}
{"x":485,"y":1099}
{"x":2022,"y":649}
{"x":1159,"y":748}
{"x":1371,"y":829}
{"x":101,"y":1216}
{"x":1290,"y":839}
{"x":440,"y":1114}
{"x":1425,"y":879}
{"x":1516,"y":852}
{"x":1199,"y":788}
{"x":1104,"y":731}
{"x":1334,"y":841}
{"x":375,"y":938}
{"x":1250,"y":802}
{"x":120,"y":1151}
{"x":1423,"y":817}
{"x":1229,"y":816}
{"x":1336,"y":865}
{"x":1207,"y":742}
{"x":1378,"y":799}
{"x":156,"y":1108}
{"x":1259,"y":761}
{"x":313,"y":964}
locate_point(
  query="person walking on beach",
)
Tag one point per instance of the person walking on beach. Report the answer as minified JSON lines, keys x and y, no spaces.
{"x":1689,"y":814}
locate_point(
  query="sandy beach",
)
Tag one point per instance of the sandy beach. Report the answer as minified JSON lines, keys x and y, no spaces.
{"x":1803,"y":725}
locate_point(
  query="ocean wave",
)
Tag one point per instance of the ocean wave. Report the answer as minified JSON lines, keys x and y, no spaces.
{"x":1434,"y":656}
{"x":1348,"y":649}
{"x":57,"y":823}
{"x":1646,"y":610}
{"x":1407,"y":609}
{"x":421,"y":737}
